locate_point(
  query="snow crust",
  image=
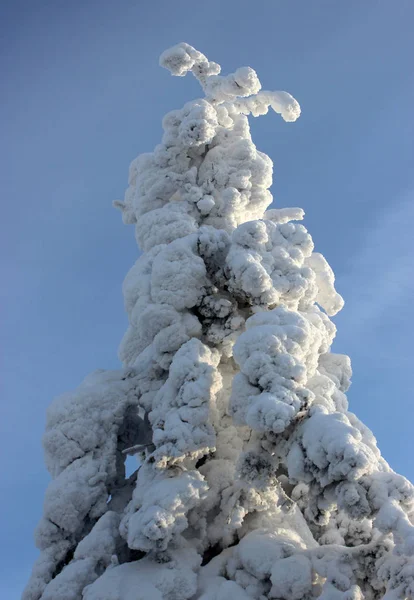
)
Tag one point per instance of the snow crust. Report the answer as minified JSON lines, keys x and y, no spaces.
{"x":254,"y":480}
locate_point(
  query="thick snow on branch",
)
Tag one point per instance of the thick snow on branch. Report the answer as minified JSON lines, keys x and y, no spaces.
{"x":253,"y":479}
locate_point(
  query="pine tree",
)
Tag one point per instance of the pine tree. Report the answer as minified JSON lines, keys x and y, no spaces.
{"x":253,"y":480}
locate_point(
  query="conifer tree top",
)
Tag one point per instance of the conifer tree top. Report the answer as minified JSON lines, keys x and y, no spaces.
{"x":253,"y":480}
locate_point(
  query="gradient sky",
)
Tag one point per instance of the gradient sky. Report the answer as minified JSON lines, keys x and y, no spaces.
{"x":82,"y":95}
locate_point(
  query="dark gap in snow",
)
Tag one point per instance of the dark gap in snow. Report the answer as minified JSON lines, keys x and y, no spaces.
{"x":65,"y":561}
{"x":211,"y":553}
{"x":215,"y":550}
{"x":201,"y":461}
{"x":135,"y":554}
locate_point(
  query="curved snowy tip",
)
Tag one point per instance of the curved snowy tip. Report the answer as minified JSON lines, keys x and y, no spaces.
{"x":285,"y":105}
{"x":182,"y":58}
{"x":176,"y":60}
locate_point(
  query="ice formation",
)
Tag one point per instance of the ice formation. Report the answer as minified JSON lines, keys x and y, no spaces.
{"x":254,"y":480}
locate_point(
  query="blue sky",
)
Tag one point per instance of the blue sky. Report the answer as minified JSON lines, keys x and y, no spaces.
{"x":82,"y":94}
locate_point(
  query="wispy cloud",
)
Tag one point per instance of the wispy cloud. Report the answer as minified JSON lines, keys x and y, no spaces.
{"x":378,"y":284}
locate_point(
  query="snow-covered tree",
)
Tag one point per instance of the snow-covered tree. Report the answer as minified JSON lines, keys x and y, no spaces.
{"x":253,"y":479}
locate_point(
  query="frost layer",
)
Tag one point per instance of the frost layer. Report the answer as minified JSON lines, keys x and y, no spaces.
{"x":253,"y":479}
